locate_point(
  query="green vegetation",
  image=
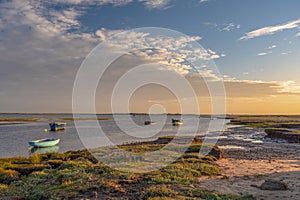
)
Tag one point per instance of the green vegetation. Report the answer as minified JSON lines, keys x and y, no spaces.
{"x":73,"y":119}
{"x":264,"y":120}
{"x":19,"y":119}
{"x":203,"y":194}
{"x":278,"y":129}
{"x":78,"y":175}
{"x":252,"y":123}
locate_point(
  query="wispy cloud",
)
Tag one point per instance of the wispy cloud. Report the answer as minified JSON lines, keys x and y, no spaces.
{"x":176,"y":52}
{"x":267,"y":50}
{"x":223,"y":27}
{"x":153,"y":4}
{"x":290,"y":87}
{"x":286,"y":53}
{"x":272,"y":47}
{"x":203,"y":1}
{"x":104,"y":33}
{"x":262,"y":54}
{"x":230,"y":26}
{"x":156,"y":4}
{"x":257,"y":88}
{"x":270,"y":30}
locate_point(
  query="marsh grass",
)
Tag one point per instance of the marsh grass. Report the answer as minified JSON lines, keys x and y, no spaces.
{"x":204,"y":194}
{"x":159,"y":191}
{"x":264,"y":121}
{"x":77,"y":175}
{"x":255,"y":124}
{"x":81,"y":119}
{"x":19,"y":119}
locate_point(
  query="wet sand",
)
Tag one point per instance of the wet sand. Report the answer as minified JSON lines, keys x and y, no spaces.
{"x":243,"y":171}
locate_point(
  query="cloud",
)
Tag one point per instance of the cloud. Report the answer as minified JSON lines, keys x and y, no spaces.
{"x":164,"y":47}
{"x":50,"y":45}
{"x":155,"y":4}
{"x":223,"y":27}
{"x":272,"y":47}
{"x":176,"y":52}
{"x":290,"y":87}
{"x":41,"y":18}
{"x":214,"y":25}
{"x":104,"y":33}
{"x":267,"y":50}
{"x":286,"y":53}
{"x":256,"y":88}
{"x":270,"y":30}
{"x":203,"y":1}
{"x":230,"y":26}
{"x":264,"y":53}
{"x":60,"y":18}
{"x":50,"y":42}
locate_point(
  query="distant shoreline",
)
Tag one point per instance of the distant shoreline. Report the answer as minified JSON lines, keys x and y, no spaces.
{"x":204,"y":115}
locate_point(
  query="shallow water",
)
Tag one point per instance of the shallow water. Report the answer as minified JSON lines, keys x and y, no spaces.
{"x":232,"y":147}
{"x":14,"y":137}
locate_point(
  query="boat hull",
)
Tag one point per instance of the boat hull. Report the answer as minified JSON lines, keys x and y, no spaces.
{"x":149,"y":123}
{"x":57,"y":126}
{"x":177,"y":122}
{"x":48,"y":142}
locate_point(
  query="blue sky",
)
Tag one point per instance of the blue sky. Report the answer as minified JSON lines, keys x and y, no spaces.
{"x":254,"y":43}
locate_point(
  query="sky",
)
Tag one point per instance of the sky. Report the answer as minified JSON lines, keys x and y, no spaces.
{"x":254,"y":44}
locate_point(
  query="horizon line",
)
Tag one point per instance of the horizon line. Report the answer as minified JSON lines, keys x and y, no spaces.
{"x":142,"y":113}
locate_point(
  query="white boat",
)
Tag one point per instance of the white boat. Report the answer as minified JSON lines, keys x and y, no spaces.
{"x":47,"y":142}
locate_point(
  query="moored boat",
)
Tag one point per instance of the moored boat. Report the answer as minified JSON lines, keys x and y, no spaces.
{"x":55,"y":126}
{"x":149,"y":123}
{"x":46,"y":142}
{"x":176,"y":122}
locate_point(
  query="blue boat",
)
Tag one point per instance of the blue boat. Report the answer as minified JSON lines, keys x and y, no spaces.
{"x":47,"y":142}
{"x":56,"y":126}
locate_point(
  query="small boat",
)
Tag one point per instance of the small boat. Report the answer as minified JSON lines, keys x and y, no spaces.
{"x":47,"y":142}
{"x":56,"y":126}
{"x":149,"y":123}
{"x":176,"y":122}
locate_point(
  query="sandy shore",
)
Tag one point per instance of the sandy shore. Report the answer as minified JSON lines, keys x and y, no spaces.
{"x":245,"y":177}
{"x":244,"y":171}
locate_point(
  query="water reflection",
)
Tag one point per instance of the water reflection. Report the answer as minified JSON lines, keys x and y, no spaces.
{"x":35,"y":150}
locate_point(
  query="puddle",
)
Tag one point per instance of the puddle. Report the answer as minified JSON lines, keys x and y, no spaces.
{"x":232,"y":147}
